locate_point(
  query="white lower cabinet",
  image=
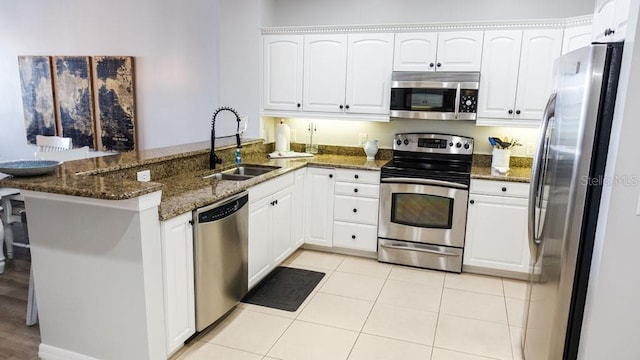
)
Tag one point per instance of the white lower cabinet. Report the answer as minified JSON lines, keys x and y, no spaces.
{"x":355,"y":210}
{"x":319,"y":186}
{"x":177,"y":261}
{"x":270,"y":227}
{"x":496,"y":236}
{"x":297,"y":218}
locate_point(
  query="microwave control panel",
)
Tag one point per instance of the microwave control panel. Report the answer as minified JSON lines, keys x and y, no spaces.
{"x":468,"y":101}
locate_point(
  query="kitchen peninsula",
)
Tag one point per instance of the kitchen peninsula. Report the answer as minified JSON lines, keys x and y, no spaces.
{"x":95,"y":242}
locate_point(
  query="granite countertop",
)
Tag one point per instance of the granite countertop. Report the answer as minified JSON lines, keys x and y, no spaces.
{"x":189,"y":189}
{"x":188,"y":192}
{"x":180,"y":193}
{"x":519,"y":169}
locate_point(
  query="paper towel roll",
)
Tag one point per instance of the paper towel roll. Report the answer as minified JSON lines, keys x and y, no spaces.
{"x":283,"y":135}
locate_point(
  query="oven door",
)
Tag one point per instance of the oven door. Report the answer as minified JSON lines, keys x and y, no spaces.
{"x":422,"y":210}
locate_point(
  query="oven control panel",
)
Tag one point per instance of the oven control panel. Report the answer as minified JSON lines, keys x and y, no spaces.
{"x":433,"y":143}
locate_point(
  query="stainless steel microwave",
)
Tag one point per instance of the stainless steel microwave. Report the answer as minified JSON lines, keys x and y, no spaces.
{"x":434,"y":95}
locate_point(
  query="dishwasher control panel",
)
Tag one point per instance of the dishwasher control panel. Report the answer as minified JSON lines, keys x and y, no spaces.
{"x":222,"y":211}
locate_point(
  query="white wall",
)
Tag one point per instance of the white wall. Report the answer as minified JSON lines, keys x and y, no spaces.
{"x":343,"y":132}
{"x":176,"y":60}
{"x":340,"y":12}
{"x":612,"y":318}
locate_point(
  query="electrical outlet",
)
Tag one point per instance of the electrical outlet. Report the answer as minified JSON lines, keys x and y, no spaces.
{"x":292,"y":135}
{"x":531,"y":149}
{"x":362,"y":139}
{"x":144,"y":175}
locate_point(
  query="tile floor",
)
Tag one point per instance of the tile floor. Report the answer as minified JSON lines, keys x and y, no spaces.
{"x":365,"y":310}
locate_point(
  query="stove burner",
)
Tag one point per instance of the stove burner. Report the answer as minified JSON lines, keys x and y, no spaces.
{"x":431,"y":156}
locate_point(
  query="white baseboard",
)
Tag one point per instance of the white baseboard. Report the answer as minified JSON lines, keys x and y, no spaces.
{"x":47,"y":352}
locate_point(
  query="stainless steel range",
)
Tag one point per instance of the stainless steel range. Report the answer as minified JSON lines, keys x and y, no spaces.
{"x":423,"y":201}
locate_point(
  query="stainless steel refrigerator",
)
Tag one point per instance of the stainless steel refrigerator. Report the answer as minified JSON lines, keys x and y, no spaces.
{"x":566,"y":184}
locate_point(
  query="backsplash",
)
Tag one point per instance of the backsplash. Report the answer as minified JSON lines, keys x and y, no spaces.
{"x":347,"y":132}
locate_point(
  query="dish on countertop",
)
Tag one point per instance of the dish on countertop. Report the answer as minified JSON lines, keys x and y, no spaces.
{"x":29,"y":167}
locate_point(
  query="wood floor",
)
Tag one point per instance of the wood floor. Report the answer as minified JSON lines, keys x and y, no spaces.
{"x":17,"y":340}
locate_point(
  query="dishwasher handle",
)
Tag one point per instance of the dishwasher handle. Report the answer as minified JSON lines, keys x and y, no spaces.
{"x":222,"y":209}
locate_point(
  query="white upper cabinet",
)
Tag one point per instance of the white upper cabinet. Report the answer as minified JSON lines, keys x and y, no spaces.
{"x":517,"y":71}
{"x":324,"y":72}
{"x":444,"y":51}
{"x":540,"y":49}
{"x":459,"y":51}
{"x":610,"y":19}
{"x":499,"y":74}
{"x":282,"y":72}
{"x":369,"y":62}
{"x":348,"y":73}
{"x":576,"y":37}
{"x":415,"y":51}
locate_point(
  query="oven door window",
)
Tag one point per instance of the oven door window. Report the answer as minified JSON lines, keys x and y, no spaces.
{"x":421,"y":210}
{"x":421,"y":99}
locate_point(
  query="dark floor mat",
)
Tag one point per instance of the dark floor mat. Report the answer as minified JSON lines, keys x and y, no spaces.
{"x":285,"y":288}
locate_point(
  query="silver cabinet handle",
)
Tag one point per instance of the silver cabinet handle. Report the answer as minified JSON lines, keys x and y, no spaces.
{"x":424,"y":182}
{"x":445,"y":253}
{"x":537,"y":176}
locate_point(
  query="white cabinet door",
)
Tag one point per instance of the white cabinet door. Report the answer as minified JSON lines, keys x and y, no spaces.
{"x":177,"y":261}
{"x":283,"y":56}
{"x":281,"y":212}
{"x":610,"y":19}
{"x":499,"y":74}
{"x":540,"y":48}
{"x":415,"y":51}
{"x":259,"y":240}
{"x":325,"y":58}
{"x":459,"y":51}
{"x":620,"y":19}
{"x":319,"y":206}
{"x":369,"y":65}
{"x":496,"y":236}
{"x":576,"y":37}
{"x":297,"y":218}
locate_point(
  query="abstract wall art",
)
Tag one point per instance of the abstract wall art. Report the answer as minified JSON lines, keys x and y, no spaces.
{"x":37,"y":96}
{"x":74,"y":105}
{"x":114,"y":102}
{"x":89,"y":99}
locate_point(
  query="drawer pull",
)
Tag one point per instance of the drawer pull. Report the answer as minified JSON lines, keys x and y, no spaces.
{"x":472,"y":201}
{"x":355,"y":190}
{"x":504,"y":189}
{"x":356,"y":176}
{"x":355,"y":210}
{"x":353,"y":237}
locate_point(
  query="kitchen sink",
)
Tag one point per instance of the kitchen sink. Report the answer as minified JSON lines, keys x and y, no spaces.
{"x":243,"y":172}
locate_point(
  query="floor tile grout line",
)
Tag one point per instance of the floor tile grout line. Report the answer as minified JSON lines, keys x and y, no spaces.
{"x":465,"y":352}
{"x":506,"y":309}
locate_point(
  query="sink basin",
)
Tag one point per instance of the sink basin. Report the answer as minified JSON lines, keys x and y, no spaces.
{"x":243,"y":172}
{"x":251,"y":170}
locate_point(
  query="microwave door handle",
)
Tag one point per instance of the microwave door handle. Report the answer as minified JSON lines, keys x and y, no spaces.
{"x":424,"y":182}
{"x":457,"y":105}
{"x":536,"y":177}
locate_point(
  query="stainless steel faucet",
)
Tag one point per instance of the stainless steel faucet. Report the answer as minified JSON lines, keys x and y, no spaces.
{"x":213,"y":158}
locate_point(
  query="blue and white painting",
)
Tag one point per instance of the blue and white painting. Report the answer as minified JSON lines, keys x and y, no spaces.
{"x":115,"y":110}
{"x":37,"y":96}
{"x":74,"y":106}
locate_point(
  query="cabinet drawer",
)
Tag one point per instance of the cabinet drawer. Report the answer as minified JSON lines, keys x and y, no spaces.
{"x":359,"y":176}
{"x":268,"y":188}
{"x":354,"y":209}
{"x":501,"y":188}
{"x":357,"y":190}
{"x":355,"y":236}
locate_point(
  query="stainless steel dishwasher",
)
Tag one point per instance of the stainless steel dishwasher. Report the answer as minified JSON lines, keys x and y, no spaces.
{"x":220,"y":257}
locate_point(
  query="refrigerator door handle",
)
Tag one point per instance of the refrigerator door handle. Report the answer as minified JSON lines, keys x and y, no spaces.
{"x":537,"y":176}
